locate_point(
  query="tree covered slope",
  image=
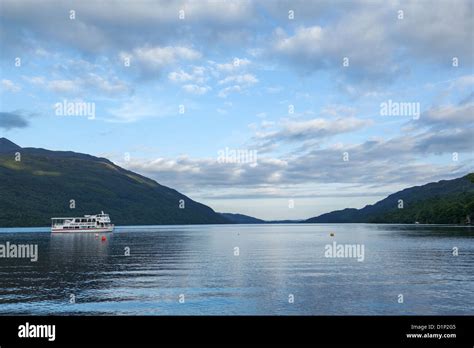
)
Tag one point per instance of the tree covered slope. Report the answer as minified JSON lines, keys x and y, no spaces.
{"x":443,"y":202}
{"x":42,"y":184}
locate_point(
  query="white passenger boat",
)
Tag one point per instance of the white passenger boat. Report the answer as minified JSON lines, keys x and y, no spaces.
{"x":88,"y":223}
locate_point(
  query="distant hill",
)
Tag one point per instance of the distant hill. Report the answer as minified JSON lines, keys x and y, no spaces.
{"x":443,"y":202}
{"x":8,"y":146}
{"x":42,"y":184}
{"x":285,"y":221}
{"x":245,"y":219}
{"x":242,"y":219}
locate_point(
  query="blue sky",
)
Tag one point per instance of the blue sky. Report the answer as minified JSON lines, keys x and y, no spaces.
{"x":300,"y":83}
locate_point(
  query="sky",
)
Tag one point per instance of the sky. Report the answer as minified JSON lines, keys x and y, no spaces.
{"x":275,"y":109}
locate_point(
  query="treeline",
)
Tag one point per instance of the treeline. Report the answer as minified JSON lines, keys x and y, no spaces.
{"x":453,"y":209}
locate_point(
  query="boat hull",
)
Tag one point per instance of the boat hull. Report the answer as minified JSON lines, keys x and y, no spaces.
{"x":85,"y":230}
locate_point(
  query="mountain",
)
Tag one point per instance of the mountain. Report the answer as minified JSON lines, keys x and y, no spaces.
{"x":242,"y":219}
{"x":285,"y":221}
{"x":246,"y":219}
{"x":7,"y":146}
{"x":42,"y":184}
{"x":443,"y":202}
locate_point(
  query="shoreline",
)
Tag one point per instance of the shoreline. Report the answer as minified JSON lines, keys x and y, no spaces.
{"x":47,"y":229}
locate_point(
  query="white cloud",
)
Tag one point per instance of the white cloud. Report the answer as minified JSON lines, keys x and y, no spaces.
{"x":267,"y":124}
{"x":351,"y":37}
{"x":195,"y":89}
{"x":274,"y":89}
{"x":34,"y":80}
{"x":338,"y":110}
{"x":368,"y":165}
{"x":246,"y":79}
{"x":463,"y":82}
{"x":111,"y":86}
{"x":150,"y":60}
{"x":135,"y":109}
{"x":302,"y":130}
{"x":90,"y":82}
{"x":194,"y":80}
{"x":10,"y":86}
{"x":198,"y":74}
{"x":431,"y":32}
{"x":99,"y":25}
{"x":455,"y":115}
{"x":228,"y":90}
{"x":239,"y":84}
{"x":180,"y":76}
{"x":306,"y":41}
{"x":236,"y":64}
{"x":63,"y":86}
{"x":381,"y":55}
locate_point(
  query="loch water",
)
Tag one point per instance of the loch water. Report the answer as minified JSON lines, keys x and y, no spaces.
{"x":269,"y":269}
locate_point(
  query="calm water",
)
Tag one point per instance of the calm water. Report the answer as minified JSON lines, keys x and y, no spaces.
{"x":274,"y":261}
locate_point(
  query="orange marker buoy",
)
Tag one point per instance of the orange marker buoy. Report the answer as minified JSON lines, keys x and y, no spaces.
{"x":104,"y":238}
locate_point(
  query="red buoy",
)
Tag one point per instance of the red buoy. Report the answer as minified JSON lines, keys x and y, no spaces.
{"x":104,"y":238}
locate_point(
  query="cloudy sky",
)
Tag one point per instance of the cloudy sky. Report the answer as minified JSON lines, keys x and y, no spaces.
{"x":300,"y":85}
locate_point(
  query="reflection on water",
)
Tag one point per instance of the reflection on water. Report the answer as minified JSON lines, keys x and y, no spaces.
{"x":81,"y":274}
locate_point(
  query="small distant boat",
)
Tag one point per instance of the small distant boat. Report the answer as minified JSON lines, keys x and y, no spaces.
{"x":88,"y":223}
